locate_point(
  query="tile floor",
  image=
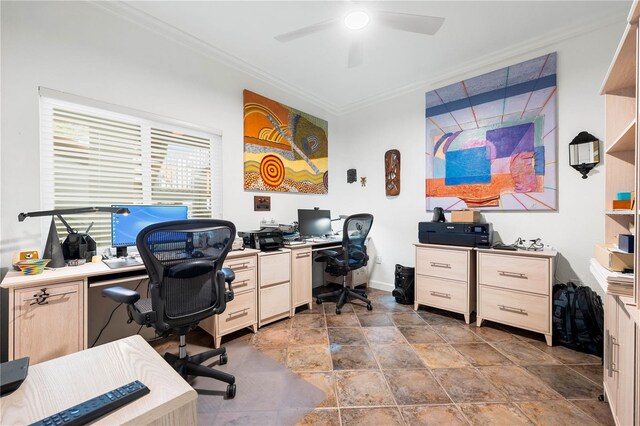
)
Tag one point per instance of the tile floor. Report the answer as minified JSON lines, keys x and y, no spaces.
{"x":397,"y":366}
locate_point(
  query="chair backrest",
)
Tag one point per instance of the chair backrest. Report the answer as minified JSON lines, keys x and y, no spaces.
{"x":183,"y":259}
{"x":354,"y":236}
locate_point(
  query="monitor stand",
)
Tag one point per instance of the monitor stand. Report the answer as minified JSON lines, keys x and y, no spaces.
{"x":121,"y":251}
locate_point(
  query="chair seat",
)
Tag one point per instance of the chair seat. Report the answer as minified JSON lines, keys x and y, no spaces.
{"x":144,"y":306}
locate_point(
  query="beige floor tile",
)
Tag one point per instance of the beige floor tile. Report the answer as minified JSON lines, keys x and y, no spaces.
{"x":433,"y":415}
{"x":518,"y":384}
{"x":494,"y":415}
{"x":415,"y":387}
{"x":387,"y":416}
{"x":467,"y":385}
{"x":556,"y":413}
{"x":358,"y":388}
{"x":440,"y":355}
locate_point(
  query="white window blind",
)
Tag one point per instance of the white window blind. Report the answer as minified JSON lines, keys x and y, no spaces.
{"x":97,"y":157}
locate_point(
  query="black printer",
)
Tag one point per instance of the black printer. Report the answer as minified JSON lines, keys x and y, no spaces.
{"x":456,"y":234}
{"x":265,"y":239}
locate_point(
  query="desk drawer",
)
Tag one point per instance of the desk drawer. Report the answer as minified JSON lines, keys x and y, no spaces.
{"x":240,"y":312}
{"x":449,"y":264}
{"x":530,"y":311}
{"x":515,"y":272}
{"x":245,"y":280}
{"x":240,"y":263}
{"x":450,"y":295}
{"x":275,"y":300}
{"x":274,"y":268}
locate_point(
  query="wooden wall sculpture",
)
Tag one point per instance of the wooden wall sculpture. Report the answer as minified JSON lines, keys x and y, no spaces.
{"x":392,"y":172}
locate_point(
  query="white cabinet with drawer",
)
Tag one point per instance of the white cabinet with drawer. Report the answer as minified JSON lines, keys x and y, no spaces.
{"x":445,"y":278}
{"x":274,"y":286}
{"x":242,"y":311}
{"x":514,"y":288}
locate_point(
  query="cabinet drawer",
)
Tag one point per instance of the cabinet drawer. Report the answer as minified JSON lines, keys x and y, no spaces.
{"x":240,"y":263}
{"x":274,"y":268}
{"x":450,"y":264}
{"x":530,"y":311}
{"x":240,"y":312}
{"x":245,"y":280}
{"x":515,"y":272}
{"x":274,"y":300}
{"x":450,"y":295}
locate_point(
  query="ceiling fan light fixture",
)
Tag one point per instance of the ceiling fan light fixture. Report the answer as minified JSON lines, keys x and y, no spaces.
{"x":356,"y":20}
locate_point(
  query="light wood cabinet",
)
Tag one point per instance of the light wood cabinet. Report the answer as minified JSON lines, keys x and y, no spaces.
{"x":274,"y":286}
{"x":514,"y":288}
{"x":48,"y":321}
{"x":242,"y":311}
{"x":301,"y":278}
{"x":620,"y":372}
{"x":445,"y":278}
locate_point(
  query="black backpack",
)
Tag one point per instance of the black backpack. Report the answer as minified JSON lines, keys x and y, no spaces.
{"x":578,"y":318}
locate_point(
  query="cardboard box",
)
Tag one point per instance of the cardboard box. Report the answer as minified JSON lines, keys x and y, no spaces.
{"x":465,"y":216}
{"x":622,"y":204}
{"x":613,"y":261}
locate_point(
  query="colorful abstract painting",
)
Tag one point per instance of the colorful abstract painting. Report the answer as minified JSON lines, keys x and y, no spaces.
{"x":285,"y":149}
{"x":491,"y":140}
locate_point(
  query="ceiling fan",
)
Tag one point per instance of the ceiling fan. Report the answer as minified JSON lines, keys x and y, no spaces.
{"x":358,"y":19}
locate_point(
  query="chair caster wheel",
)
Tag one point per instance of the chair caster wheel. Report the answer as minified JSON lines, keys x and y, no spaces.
{"x":231,"y":391}
{"x":364,"y":295}
{"x":338,"y":311}
{"x":223,"y":359}
{"x":319,"y":301}
{"x":601,"y":398}
{"x":369,"y":307}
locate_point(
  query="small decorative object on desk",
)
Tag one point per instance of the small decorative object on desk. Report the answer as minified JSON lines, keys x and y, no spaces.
{"x":33,"y":266}
{"x":532,"y":245}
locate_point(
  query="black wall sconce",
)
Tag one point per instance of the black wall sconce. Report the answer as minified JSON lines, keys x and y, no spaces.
{"x":584,"y":153}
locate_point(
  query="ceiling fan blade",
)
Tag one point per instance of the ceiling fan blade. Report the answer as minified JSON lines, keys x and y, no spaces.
{"x":421,"y":24}
{"x":305,"y":31}
{"x":356,"y":52}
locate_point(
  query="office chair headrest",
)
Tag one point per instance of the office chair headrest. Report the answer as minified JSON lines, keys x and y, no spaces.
{"x":191,"y":269}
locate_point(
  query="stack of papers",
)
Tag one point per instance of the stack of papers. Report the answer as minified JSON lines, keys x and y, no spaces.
{"x":618,"y":283}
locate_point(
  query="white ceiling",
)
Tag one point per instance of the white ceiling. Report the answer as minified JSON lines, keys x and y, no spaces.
{"x":474,"y":34}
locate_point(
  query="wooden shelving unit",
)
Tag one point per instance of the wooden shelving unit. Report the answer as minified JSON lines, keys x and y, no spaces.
{"x":621,"y":158}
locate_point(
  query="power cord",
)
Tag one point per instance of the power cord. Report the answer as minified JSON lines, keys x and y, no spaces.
{"x":111,"y":316}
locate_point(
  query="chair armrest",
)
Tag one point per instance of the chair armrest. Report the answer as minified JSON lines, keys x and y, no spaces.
{"x":121,"y":295}
{"x":229,"y":275}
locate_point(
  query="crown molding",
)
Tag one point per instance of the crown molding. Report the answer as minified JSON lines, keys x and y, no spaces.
{"x":157,"y":26}
{"x":530,"y":48}
{"x":451,"y":74}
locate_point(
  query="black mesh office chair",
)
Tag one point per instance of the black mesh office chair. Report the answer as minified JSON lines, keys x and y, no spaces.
{"x":187,"y":284}
{"x":353,"y":255}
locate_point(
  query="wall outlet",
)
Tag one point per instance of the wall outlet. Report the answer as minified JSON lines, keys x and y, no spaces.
{"x":378,"y":259}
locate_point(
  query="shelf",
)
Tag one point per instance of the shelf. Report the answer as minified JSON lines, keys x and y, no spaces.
{"x":626,"y":141}
{"x":620,"y":212}
{"x":621,"y":77}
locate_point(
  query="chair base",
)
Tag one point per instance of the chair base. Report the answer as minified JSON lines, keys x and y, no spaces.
{"x":190,"y":366}
{"x":344,"y":294}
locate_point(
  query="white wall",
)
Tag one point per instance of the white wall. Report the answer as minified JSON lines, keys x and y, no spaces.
{"x":78,"y":48}
{"x":399,"y":123}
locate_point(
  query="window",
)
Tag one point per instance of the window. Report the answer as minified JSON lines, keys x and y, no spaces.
{"x":99,"y":156}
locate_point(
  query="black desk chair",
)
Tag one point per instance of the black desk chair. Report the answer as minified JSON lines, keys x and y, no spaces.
{"x":187,"y":284}
{"x":353,"y":255}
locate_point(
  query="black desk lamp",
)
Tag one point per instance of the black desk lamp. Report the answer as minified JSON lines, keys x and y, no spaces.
{"x":52,"y":248}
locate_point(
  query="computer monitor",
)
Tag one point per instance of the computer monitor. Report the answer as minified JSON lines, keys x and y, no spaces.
{"x":125,"y":228}
{"x":314,"y":223}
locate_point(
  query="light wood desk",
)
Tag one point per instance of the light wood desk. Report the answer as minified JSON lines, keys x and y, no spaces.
{"x":55,"y":385}
{"x":66,"y":321}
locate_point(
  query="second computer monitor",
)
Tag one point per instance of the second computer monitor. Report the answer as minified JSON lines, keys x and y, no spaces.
{"x":314,"y":223}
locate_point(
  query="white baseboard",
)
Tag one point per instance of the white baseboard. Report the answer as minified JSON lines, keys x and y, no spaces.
{"x":379,"y":285}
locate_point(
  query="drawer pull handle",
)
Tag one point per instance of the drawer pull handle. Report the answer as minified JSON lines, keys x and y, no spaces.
{"x":239,"y":265}
{"x":512,"y":274}
{"x":41,"y":298}
{"x":437,"y":293}
{"x":241,"y":311}
{"x":440,"y":265}
{"x":241,"y":283}
{"x":512,"y":309}
{"x":301,"y":255}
